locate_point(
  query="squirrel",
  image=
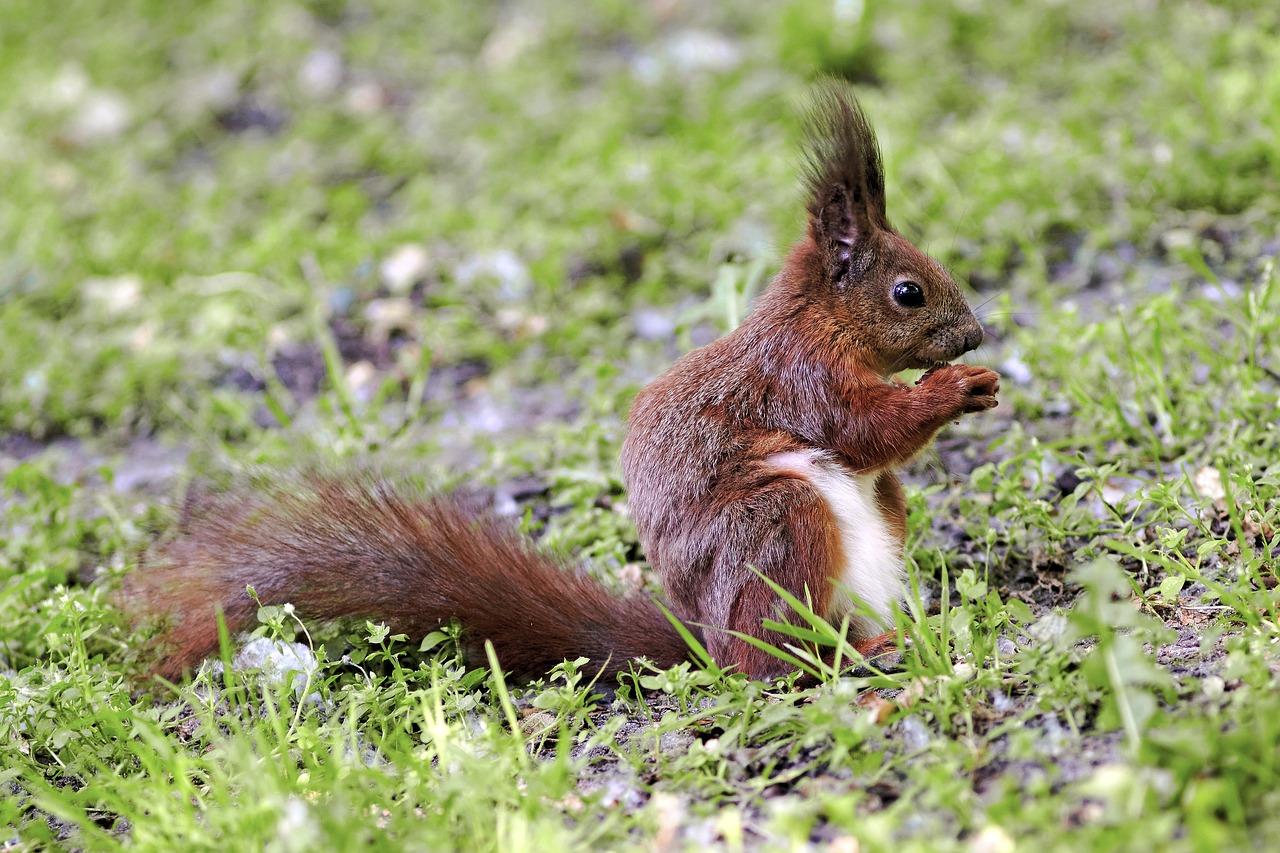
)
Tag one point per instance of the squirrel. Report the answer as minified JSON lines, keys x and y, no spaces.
{"x":770,"y":451}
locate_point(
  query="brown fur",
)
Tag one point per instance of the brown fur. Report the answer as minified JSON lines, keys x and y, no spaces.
{"x":809,"y":369}
{"x":349,"y":547}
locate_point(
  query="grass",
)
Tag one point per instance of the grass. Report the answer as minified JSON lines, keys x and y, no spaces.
{"x":199,"y":203}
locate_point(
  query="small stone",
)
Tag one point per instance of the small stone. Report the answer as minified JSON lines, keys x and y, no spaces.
{"x":277,"y":336}
{"x":1177,"y":238}
{"x":508,"y":319}
{"x":503,"y":266}
{"x":321,"y":73}
{"x":102,"y":117}
{"x":404,"y":267}
{"x":1052,"y":629}
{"x":1109,"y":782}
{"x":115,"y":295}
{"x":362,"y":378}
{"x":252,"y":114}
{"x":1055,"y":737}
{"x":1013,"y":139}
{"x":915,"y":736}
{"x":675,"y":742}
{"x":1208,"y":483}
{"x":670,"y":812}
{"x":510,"y":39}
{"x":630,"y":576}
{"x":652,"y":324}
{"x":142,"y":337}
{"x":212,"y":92}
{"x":572,"y":804}
{"x":515,"y":321}
{"x":992,"y":839}
{"x":275,"y":659}
{"x":1001,"y":703}
{"x":701,"y":50}
{"x":1067,"y":482}
{"x":512,"y":273}
{"x":367,"y":98}
{"x":485,"y":416}
{"x":505,"y":506}
{"x":621,"y":791}
{"x":1016,"y":370}
{"x":297,"y":828}
{"x":388,"y":316}
{"x":687,"y":52}
{"x":1222,"y":290}
{"x":67,"y":88}
{"x":341,"y":300}
{"x":63,"y":177}
{"x":538,"y":723}
{"x":1114,"y":493}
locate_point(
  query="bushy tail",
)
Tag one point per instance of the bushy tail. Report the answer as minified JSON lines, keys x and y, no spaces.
{"x":350,"y":547}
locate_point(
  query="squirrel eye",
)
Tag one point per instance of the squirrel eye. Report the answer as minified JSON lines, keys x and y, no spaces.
{"x":908,"y":294}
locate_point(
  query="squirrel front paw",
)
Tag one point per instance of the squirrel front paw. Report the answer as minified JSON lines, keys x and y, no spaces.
{"x":970,"y":388}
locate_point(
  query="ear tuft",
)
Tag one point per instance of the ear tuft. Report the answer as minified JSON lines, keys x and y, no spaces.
{"x":843,"y":171}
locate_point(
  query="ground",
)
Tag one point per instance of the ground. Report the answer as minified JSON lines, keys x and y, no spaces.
{"x":451,"y":241}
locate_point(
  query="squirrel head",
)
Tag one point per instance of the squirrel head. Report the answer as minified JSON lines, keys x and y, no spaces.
{"x":898,"y":305}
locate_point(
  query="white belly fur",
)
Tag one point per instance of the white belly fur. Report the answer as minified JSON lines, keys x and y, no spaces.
{"x":873,"y":566}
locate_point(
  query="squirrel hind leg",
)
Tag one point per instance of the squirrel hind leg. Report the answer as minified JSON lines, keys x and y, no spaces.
{"x":787,"y":534}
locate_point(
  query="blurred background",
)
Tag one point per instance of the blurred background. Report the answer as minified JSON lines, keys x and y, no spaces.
{"x":453,"y":239}
{"x":215,"y":215}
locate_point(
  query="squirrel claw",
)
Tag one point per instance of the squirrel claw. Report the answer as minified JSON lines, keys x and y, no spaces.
{"x":930,"y":372}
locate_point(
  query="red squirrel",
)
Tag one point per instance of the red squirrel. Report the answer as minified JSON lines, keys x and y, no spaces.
{"x":772,"y":449}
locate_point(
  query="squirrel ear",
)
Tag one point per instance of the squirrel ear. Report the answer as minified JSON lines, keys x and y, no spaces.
{"x":838,"y":220}
{"x":843,"y":172}
{"x":839,"y":228}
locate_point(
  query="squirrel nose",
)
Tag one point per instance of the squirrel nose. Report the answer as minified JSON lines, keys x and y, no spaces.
{"x":972,"y":337}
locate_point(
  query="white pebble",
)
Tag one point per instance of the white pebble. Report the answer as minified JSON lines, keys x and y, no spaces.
{"x":102,"y":117}
{"x":321,"y":73}
{"x":653,"y":325}
{"x":112,"y":295}
{"x":1016,"y":370}
{"x":276,"y":660}
{"x":404,"y":268}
